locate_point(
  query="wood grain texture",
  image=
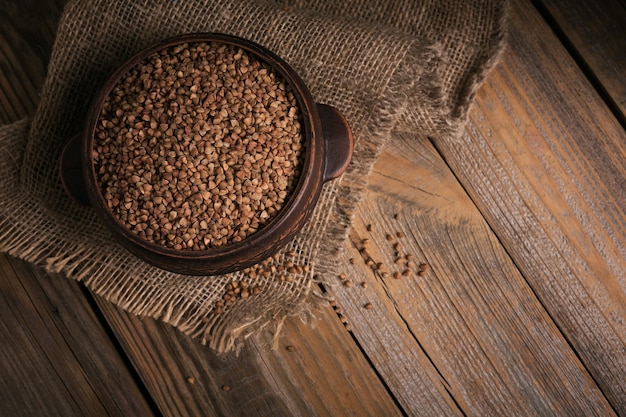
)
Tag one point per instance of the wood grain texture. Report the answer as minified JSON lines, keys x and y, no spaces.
{"x":27,"y":31}
{"x":471,"y":329}
{"x":544,"y":160}
{"x":55,"y":358}
{"x":324,"y":375}
{"x":166,"y":359}
{"x":521,"y":312}
{"x":594,"y":34}
{"x":322,"y":370}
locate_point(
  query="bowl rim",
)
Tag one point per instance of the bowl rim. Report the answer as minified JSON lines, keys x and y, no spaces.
{"x":302,"y":199}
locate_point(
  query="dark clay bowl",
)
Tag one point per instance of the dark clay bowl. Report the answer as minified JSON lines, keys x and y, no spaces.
{"x":328,"y":145}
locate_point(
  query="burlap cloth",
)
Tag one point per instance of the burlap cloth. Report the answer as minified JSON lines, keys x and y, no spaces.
{"x":403,"y":65}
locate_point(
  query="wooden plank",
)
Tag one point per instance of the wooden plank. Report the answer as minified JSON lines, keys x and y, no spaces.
{"x":594,"y":34}
{"x":55,"y":358}
{"x":15,"y":101}
{"x":27,"y":31}
{"x":471,"y":326}
{"x":328,"y":367}
{"x":544,"y":160}
{"x":322,"y":374}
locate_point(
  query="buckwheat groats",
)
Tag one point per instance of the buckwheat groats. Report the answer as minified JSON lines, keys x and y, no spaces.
{"x":198,"y":146}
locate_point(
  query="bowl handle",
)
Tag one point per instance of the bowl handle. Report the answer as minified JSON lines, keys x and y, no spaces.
{"x":338,"y":139}
{"x":71,"y":172}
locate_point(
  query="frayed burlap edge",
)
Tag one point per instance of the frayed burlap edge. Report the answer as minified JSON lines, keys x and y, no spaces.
{"x":421,"y":78}
{"x":20,"y":240}
{"x":217,"y":333}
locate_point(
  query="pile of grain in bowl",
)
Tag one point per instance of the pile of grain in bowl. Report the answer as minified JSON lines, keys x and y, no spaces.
{"x":198,"y":146}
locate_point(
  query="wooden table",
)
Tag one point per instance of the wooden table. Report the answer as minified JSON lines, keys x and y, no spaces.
{"x":522,"y":222}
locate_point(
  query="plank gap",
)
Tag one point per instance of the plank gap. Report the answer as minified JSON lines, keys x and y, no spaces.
{"x":371,"y":363}
{"x":106,"y":327}
{"x":580,"y":61}
{"x":549,"y":312}
{"x":356,"y":242}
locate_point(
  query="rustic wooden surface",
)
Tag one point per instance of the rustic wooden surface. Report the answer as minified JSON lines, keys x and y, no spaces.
{"x":522,"y":222}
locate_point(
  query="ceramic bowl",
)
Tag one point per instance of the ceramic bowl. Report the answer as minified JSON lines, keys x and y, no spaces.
{"x":328,"y":145}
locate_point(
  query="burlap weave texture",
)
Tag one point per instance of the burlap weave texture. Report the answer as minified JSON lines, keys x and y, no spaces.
{"x":404,"y":65}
